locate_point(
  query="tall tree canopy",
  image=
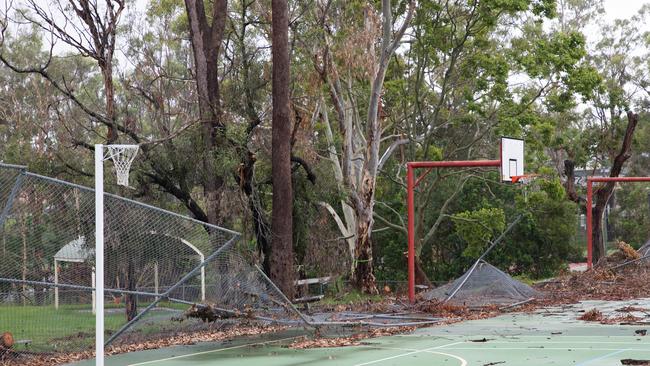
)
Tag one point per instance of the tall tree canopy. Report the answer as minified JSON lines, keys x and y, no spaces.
{"x":292,"y":121}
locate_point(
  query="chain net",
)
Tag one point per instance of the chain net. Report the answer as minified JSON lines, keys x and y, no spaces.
{"x":485,"y":285}
{"x":174,"y":273}
{"x":122,"y":157}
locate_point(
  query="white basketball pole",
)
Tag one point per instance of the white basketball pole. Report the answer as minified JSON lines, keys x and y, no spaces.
{"x":99,"y":255}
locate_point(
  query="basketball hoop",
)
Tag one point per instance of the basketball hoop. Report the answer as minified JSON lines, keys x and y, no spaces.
{"x":523,"y":179}
{"x":122,"y":156}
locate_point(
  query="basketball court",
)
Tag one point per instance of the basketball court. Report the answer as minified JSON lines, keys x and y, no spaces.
{"x":550,"y":336}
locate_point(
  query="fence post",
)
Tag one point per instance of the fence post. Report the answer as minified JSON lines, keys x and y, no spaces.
{"x":181,"y":282}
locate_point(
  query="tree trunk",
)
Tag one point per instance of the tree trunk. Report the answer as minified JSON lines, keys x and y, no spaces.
{"x":597,"y":235}
{"x":260,"y":222}
{"x":569,"y":184}
{"x":131,"y":303}
{"x":420,"y":276}
{"x":602,"y":194}
{"x":364,"y":200}
{"x":206,"y":44}
{"x":109,"y":92}
{"x":281,"y":256}
{"x":364,"y":277}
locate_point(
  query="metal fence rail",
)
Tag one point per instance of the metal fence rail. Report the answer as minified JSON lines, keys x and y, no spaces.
{"x":154,"y":260}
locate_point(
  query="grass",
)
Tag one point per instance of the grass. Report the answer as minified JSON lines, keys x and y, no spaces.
{"x":71,"y":327}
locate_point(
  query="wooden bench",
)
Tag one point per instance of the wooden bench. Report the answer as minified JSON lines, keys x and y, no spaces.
{"x":313,"y":298}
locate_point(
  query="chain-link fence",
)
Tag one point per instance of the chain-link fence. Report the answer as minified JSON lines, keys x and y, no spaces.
{"x":157,"y":263}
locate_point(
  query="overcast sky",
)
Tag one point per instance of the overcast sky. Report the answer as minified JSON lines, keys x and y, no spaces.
{"x":616,"y":9}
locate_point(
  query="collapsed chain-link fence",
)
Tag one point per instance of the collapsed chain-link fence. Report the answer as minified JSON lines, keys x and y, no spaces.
{"x":483,"y":285}
{"x":157,"y":264}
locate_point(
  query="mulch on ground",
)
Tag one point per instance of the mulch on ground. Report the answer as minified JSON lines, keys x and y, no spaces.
{"x":600,"y":283}
{"x":15,"y":359}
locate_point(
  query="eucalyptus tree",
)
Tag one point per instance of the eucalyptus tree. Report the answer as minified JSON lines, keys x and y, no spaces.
{"x":282,"y":219}
{"x":608,"y":123}
{"x":206,"y":36}
{"x":358,"y":166}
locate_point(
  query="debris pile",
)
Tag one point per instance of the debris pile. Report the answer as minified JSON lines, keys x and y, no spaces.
{"x":353,"y":340}
{"x":620,"y":276}
{"x":174,"y":340}
{"x":483,"y":285}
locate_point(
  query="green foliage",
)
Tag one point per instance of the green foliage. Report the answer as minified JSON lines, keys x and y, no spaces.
{"x":630,"y":217}
{"x":543,"y":241}
{"x":463,"y":79}
{"x":478,"y":228}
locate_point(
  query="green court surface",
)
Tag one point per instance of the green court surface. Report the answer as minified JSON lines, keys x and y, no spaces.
{"x":549,"y":337}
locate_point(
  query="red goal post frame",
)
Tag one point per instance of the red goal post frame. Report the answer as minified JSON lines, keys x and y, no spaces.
{"x":590,"y":193}
{"x":412,"y":183}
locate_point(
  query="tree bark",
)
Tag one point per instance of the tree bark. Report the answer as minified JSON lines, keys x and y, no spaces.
{"x":364,"y":202}
{"x":260,"y":221}
{"x":131,"y":305}
{"x":109,"y":90}
{"x":569,"y":184}
{"x":281,"y":256}
{"x":364,"y":277}
{"x":602,"y":194}
{"x":421,"y":277}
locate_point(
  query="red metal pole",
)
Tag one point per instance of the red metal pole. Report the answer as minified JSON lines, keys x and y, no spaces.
{"x":590,"y":239}
{"x":456,"y":164}
{"x":410,"y":183}
{"x":619,"y":179}
{"x":410,"y":205}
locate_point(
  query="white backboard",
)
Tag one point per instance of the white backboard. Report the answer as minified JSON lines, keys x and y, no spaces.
{"x":512,"y":158}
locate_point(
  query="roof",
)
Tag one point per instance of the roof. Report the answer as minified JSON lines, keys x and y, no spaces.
{"x":75,"y":251}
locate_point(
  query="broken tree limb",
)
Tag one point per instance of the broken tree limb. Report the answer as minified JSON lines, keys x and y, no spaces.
{"x":630,"y":262}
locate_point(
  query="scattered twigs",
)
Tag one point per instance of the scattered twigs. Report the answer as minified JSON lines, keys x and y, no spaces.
{"x":519,"y":303}
{"x":630,"y":262}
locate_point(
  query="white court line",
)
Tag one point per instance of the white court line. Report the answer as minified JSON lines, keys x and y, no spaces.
{"x":541,"y":348}
{"x":603,"y":357}
{"x":410,"y":353}
{"x":213,"y":351}
{"x":507,"y":336}
{"x":463,"y":362}
{"x":555,"y":342}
